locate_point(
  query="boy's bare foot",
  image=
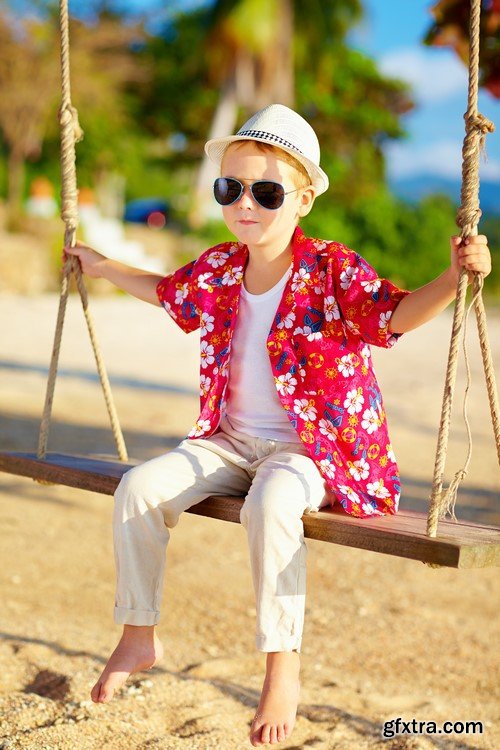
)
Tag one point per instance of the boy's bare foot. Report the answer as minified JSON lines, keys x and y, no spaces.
{"x":139,"y":649}
{"x":275,"y":717}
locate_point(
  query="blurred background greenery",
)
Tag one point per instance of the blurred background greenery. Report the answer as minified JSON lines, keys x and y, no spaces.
{"x":150,"y":94}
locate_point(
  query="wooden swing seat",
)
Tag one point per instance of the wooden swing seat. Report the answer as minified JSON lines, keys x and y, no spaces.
{"x":458,"y":545}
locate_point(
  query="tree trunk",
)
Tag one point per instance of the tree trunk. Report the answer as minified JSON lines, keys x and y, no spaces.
{"x":223,"y":123}
{"x":284,"y":90}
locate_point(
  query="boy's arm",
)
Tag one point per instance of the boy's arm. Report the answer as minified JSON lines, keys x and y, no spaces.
{"x":425,"y":303}
{"x":139,"y":283}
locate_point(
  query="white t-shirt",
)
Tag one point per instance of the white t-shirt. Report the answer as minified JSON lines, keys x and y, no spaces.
{"x":252,"y":404}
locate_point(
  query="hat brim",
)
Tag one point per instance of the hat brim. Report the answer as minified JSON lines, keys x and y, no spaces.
{"x":216,"y":148}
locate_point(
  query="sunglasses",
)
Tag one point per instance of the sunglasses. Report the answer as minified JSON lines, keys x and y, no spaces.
{"x":267,"y":194}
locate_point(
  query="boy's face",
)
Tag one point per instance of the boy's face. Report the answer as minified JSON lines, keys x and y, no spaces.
{"x":252,"y":224}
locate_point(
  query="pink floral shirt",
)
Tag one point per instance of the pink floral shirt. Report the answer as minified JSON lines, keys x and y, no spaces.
{"x":332,"y":308}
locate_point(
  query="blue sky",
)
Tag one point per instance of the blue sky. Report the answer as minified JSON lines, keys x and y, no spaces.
{"x":392,"y":34}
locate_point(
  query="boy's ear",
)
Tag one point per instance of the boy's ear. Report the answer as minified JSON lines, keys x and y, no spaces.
{"x":306,"y":200}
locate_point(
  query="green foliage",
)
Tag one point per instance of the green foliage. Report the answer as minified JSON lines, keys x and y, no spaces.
{"x":408,"y":244}
{"x":134,"y":92}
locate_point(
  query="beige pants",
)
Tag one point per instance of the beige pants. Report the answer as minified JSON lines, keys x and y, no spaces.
{"x":280,"y":483}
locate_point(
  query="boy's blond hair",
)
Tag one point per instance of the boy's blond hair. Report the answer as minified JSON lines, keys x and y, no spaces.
{"x":301,"y":177}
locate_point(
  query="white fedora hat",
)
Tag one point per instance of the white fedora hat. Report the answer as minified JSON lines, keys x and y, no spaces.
{"x":281,"y":127}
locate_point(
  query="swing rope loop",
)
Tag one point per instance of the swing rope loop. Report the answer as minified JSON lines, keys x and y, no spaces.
{"x":469,"y":213}
{"x":70,"y":134}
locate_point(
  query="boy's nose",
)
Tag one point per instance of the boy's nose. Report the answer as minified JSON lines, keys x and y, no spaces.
{"x":246,"y":199}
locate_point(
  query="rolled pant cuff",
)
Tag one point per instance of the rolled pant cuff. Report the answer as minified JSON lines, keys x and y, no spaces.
{"x":124,"y":616}
{"x":286,"y":643}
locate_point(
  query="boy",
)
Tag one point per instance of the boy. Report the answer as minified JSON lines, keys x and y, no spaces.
{"x":291,"y":418}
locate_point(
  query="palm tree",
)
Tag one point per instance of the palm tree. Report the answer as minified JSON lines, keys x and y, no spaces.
{"x":250,"y":59}
{"x":251,"y":51}
{"x":451,"y":29}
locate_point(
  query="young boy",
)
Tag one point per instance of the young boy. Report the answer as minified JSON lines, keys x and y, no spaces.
{"x":291,"y":413}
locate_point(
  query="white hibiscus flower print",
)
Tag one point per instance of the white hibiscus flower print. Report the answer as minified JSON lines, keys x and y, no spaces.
{"x":201,"y":426}
{"x":331,"y":308}
{"x":319,"y":245}
{"x":349,"y":493}
{"x":353,"y":327}
{"x":360,"y":469}
{"x":371,"y":286}
{"x":207,"y":323}
{"x":206,"y":354}
{"x":203,"y":282}
{"x":232,"y":275}
{"x":368,"y":509}
{"x":307,"y":331}
{"x":303,"y":408}
{"x":384,"y":319}
{"x":327,"y":428}
{"x":320,"y":285}
{"x":345,"y":366}
{"x":354,"y":401}
{"x":377,"y":489}
{"x":205,"y":382}
{"x":328,"y":468}
{"x":217,"y":258}
{"x":370,"y":421}
{"x":285,"y":384}
{"x":181,"y":294}
{"x":348,"y":276}
{"x":390,"y":454}
{"x":366,"y":354}
{"x":300,"y":280}
{"x":287,"y":321}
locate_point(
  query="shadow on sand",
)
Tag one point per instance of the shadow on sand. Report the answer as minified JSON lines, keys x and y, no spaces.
{"x":326,"y":717}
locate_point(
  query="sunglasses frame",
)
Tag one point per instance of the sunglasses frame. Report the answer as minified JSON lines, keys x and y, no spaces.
{"x":251,"y":187}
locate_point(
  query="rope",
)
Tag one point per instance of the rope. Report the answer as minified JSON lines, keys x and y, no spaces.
{"x":469,"y":213}
{"x":71,"y":133}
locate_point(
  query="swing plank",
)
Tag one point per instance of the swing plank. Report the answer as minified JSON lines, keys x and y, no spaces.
{"x":458,"y":545}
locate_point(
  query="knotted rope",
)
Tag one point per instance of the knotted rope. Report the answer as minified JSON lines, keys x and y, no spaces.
{"x":469,"y":213}
{"x":70,"y":134}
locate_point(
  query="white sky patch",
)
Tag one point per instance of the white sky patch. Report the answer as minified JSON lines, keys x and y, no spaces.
{"x":442,"y":158}
{"x":433,"y":77}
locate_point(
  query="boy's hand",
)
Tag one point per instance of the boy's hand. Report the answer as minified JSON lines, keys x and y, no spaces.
{"x":473,"y":254}
{"x":90,"y":260}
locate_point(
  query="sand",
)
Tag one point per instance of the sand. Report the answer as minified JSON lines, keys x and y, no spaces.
{"x":384,"y":637}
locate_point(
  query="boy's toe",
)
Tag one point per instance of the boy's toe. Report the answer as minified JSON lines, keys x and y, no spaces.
{"x":281,"y":732}
{"x":94,"y":694}
{"x":255,"y":737}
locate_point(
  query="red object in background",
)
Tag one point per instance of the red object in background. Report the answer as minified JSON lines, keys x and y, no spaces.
{"x":156,"y":220}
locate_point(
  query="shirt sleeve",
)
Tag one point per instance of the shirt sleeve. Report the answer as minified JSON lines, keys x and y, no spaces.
{"x":366,"y":301}
{"x":179,"y":294}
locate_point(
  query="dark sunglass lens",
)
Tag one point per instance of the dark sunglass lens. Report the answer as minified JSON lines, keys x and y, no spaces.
{"x":269,"y":194}
{"x":226,"y":190}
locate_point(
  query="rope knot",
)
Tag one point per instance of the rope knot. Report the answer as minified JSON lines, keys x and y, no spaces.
{"x":478,"y":122}
{"x":69,"y":115}
{"x":467,"y":218}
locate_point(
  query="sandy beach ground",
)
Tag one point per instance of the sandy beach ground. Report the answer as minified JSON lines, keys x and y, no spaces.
{"x":384,"y":637}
